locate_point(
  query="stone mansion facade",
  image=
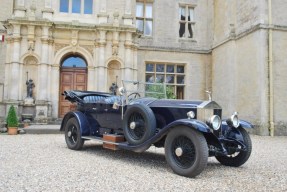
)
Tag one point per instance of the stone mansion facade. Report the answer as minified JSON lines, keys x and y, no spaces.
{"x":236,"y":49}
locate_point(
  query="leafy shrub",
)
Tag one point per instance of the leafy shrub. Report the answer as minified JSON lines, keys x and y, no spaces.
{"x":12,"y":120}
{"x":159,"y":91}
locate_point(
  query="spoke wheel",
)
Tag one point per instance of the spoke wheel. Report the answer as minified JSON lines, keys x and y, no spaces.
{"x":237,"y":157}
{"x":183,"y":152}
{"x":73,"y":135}
{"x":139,"y":124}
{"x":186,"y":151}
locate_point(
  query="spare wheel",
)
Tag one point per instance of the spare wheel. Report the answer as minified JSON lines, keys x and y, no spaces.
{"x":139,"y":124}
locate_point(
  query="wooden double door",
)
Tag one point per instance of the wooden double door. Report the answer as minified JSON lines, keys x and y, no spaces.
{"x":71,"y":79}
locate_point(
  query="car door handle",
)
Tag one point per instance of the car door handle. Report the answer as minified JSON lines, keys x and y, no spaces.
{"x":94,"y":108}
{"x":106,"y":110}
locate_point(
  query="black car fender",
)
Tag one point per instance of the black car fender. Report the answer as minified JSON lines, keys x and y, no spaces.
{"x":200,"y":126}
{"x":244,"y":124}
{"x":82,"y":120}
{"x":192,"y":123}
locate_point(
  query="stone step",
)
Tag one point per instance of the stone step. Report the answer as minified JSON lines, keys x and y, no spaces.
{"x":42,"y":129}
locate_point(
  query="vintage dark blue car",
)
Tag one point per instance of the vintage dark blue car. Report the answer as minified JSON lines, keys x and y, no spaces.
{"x":190,"y":131}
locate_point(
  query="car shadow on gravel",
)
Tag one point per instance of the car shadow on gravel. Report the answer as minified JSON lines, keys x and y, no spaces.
{"x":147,"y":158}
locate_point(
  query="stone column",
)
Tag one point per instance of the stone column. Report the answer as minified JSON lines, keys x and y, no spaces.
{"x":96,"y":64}
{"x":49,"y":65}
{"x":43,"y":70}
{"x":91,"y":78}
{"x":135,"y":62}
{"x":9,"y":42}
{"x":128,"y":57}
{"x":127,"y":17}
{"x":15,"y":69}
{"x":55,"y":89}
{"x":102,"y":70}
{"x":42,"y":104}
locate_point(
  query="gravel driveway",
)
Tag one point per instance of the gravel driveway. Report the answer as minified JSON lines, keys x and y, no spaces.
{"x":44,"y":163}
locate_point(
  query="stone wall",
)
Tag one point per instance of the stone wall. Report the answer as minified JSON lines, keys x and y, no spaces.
{"x":240,"y":62}
{"x":280,"y":81}
{"x":6,"y":10}
{"x":166,"y":27}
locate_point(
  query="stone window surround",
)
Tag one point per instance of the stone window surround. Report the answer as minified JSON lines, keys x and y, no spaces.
{"x":144,"y":19}
{"x":176,"y":74}
{"x":192,"y":22}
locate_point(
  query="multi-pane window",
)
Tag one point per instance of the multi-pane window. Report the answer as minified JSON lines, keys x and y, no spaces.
{"x":144,"y":16}
{"x":171,"y":74}
{"x":76,"y":6}
{"x":186,"y":21}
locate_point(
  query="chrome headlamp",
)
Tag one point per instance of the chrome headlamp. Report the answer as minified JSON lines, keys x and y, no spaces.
{"x":190,"y":115}
{"x":214,"y":122}
{"x":233,"y":121}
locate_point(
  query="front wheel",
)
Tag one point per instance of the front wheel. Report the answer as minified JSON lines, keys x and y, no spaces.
{"x":73,"y":135}
{"x":237,"y":158}
{"x":186,"y":151}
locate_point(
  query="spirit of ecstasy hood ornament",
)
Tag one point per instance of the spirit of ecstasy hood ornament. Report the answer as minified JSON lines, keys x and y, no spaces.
{"x":209,"y":95}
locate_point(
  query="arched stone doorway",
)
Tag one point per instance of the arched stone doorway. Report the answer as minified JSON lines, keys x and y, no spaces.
{"x":114,"y":73}
{"x":73,"y":76}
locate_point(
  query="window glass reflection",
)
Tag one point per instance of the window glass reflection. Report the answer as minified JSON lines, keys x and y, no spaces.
{"x":76,"y":6}
{"x":64,"y":6}
{"x":180,"y":69}
{"x":180,"y":79}
{"x":190,"y":16}
{"x":169,"y":79}
{"x":74,"y":62}
{"x":182,"y":13}
{"x":139,"y":11}
{"x":148,"y":10}
{"x":159,"y":78}
{"x":149,"y":78}
{"x":170,"y":68}
{"x":160,"y":68}
{"x":88,"y":7}
{"x":148,"y":28}
{"x":139,"y":24}
{"x":149,"y":67}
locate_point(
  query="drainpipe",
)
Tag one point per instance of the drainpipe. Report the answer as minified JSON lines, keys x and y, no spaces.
{"x":270,"y":71}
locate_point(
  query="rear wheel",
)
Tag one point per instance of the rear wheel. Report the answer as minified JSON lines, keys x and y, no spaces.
{"x":73,"y":135}
{"x":186,"y":151}
{"x":237,"y":157}
{"x":139,"y":124}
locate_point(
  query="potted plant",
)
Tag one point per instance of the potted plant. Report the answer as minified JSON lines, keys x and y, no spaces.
{"x":26,"y":123}
{"x":12,"y":121}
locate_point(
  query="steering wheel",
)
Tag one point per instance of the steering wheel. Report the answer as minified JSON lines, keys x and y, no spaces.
{"x":133,"y":96}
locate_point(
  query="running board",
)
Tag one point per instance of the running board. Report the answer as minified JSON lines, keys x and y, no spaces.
{"x":110,"y":141}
